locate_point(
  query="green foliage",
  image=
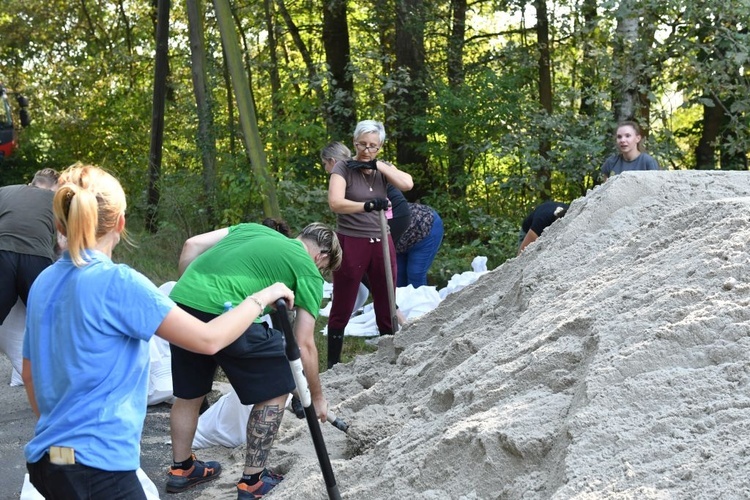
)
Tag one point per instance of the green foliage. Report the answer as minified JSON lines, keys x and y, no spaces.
{"x":88,"y":69}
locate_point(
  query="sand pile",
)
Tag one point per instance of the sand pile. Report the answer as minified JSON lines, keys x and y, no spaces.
{"x":608,"y":361}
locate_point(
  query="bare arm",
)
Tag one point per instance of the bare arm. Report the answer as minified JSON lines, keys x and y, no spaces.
{"x":396,"y":177}
{"x":530,"y":237}
{"x":198,"y":244}
{"x":188,"y":332}
{"x":337,"y":197}
{"x":28,"y":383}
{"x":304,"y":332}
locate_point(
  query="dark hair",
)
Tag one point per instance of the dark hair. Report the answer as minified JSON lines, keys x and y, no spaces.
{"x":277,"y":225}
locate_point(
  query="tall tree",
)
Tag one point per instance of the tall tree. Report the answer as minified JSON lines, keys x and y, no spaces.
{"x":157,"y":114}
{"x":204,"y":104}
{"x":719,"y":37}
{"x":456,"y":74}
{"x":588,"y":71}
{"x":633,"y":41}
{"x":409,"y":102}
{"x":543,"y":173}
{"x":246,"y":105}
{"x":341,"y":115}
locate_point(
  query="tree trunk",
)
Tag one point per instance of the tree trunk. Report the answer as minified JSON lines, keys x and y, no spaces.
{"x":230,"y":103}
{"x":705,"y":158}
{"x":246,"y":105}
{"x":634,"y":38}
{"x":588,"y":70}
{"x":456,"y":75}
{"x":341,"y":114}
{"x":157,"y":115}
{"x":412,"y":104}
{"x":543,"y":174}
{"x":625,"y":93}
{"x":203,"y":101}
{"x":276,"y":104}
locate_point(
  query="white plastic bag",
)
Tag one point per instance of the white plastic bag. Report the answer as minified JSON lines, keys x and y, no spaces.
{"x":11,"y":339}
{"x":223,"y":424}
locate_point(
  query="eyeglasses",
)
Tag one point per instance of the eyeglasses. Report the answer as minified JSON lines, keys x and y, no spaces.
{"x":372,"y":148}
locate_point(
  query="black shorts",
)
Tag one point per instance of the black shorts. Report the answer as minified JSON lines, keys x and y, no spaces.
{"x":255,"y":365}
{"x":17,"y":272}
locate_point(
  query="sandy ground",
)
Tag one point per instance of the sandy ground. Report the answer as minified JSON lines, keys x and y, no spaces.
{"x":609,"y":361}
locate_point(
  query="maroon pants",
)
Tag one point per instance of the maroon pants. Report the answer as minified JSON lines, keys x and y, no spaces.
{"x":362,"y":256}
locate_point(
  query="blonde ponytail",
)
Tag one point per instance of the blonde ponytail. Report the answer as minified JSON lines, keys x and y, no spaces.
{"x":87,"y":206}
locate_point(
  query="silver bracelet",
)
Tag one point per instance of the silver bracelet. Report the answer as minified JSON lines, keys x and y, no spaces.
{"x":254,"y":299}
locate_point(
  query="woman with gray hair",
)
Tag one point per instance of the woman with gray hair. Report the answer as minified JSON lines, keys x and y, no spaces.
{"x":357,"y":190}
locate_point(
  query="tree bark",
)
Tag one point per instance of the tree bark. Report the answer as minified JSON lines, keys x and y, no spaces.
{"x":341,"y":114}
{"x":411,"y":109}
{"x":543,"y":174}
{"x":157,"y":115}
{"x":634,"y":37}
{"x":456,"y":77}
{"x":705,"y":159}
{"x":246,"y":105}
{"x":203,"y":101}
{"x":588,"y":70}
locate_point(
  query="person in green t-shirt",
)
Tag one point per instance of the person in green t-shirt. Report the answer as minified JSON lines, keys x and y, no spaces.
{"x":219,"y":269}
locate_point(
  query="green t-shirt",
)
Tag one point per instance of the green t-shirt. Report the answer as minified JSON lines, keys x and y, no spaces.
{"x":250,"y":258}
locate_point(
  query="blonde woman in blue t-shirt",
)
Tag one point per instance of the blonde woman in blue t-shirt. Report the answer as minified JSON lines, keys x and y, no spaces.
{"x":86,"y":353}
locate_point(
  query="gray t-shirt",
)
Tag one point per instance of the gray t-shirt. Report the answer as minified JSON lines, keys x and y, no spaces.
{"x":27,"y":225}
{"x":360,"y":187}
{"x":616,"y":164}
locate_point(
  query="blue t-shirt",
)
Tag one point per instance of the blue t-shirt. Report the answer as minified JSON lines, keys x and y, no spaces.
{"x":87,"y":332}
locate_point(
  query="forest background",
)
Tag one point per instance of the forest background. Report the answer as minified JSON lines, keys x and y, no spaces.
{"x":493,"y":106}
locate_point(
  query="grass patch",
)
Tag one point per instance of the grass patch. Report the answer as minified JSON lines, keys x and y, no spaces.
{"x":154,"y":255}
{"x":353,"y":346}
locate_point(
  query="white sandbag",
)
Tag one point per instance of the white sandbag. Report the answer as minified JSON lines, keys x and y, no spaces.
{"x":414,"y":302}
{"x":11,"y":338}
{"x":223,"y":424}
{"x":28,"y":492}
{"x":15,"y":378}
{"x":362,"y":295}
{"x":460,"y":281}
{"x":160,"y":371}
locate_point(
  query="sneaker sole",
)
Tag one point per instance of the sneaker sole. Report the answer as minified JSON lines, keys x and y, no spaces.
{"x":180,"y":489}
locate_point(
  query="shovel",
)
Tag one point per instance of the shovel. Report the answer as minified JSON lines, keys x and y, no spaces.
{"x":388,"y":273}
{"x":303,"y":391}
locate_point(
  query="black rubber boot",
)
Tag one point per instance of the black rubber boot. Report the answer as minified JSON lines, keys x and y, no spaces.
{"x":335,"y":345}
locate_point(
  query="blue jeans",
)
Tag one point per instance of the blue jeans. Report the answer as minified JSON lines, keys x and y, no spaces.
{"x":80,"y":482}
{"x":413,"y":265}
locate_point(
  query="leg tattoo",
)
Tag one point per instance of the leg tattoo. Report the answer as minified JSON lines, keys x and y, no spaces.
{"x":262,"y":427}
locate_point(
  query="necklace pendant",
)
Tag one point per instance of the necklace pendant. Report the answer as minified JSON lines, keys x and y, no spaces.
{"x":371,"y":189}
